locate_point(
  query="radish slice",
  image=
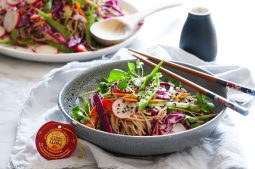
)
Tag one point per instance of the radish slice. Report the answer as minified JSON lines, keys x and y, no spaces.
{"x":46,"y":49}
{"x":2,"y":31}
{"x":3,"y":5}
{"x":13,"y":2}
{"x":27,"y":50}
{"x":80,"y":48}
{"x":123,"y":109}
{"x":11,"y":19}
{"x":178,"y":128}
{"x":31,"y":1}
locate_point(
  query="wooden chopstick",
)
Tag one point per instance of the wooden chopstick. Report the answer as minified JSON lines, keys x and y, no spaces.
{"x":203,"y":75}
{"x":225,"y":102}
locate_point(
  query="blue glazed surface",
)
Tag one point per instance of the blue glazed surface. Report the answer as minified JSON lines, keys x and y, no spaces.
{"x":198,"y":37}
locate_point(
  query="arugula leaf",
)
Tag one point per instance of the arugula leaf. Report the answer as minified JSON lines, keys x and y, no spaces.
{"x":117,"y":74}
{"x":86,"y":106}
{"x":77,"y":114}
{"x":103,"y":79}
{"x":203,"y":103}
{"x":103,"y":87}
{"x":176,"y":83}
{"x":131,"y":67}
{"x":122,"y":84}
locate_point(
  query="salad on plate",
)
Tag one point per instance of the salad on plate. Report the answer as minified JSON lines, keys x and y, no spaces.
{"x":131,"y":103}
{"x":52,"y":26}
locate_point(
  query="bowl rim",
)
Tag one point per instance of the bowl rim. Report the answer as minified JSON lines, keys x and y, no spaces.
{"x":75,"y":122}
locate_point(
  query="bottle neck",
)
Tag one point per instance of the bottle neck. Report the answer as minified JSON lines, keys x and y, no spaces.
{"x":199,"y":13}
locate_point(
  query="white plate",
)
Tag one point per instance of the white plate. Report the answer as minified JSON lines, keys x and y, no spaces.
{"x":23,"y":53}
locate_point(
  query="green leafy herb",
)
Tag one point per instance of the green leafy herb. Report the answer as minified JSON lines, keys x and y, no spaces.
{"x":122,"y":84}
{"x":203,"y":103}
{"x":80,"y":114}
{"x":103,"y":87}
{"x":77,"y":114}
{"x":131,"y":67}
{"x":117,"y":74}
{"x":86,"y":106}
{"x":176,"y":83}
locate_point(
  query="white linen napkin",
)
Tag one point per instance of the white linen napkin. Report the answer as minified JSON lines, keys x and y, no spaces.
{"x":219,"y":151}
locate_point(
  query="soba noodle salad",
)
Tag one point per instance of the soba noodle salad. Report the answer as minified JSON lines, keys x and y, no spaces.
{"x":131,"y":103}
{"x":52,"y":26}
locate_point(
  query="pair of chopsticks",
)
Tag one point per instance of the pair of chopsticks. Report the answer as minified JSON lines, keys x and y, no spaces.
{"x":225,"y":102}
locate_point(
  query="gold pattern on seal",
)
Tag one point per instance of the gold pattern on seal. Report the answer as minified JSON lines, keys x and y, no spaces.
{"x":56,"y":140}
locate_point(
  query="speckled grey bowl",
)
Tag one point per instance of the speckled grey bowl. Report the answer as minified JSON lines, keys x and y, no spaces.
{"x":135,"y":145}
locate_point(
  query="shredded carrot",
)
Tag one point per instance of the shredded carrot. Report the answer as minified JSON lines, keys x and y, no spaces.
{"x":157,"y":100}
{"x":130,"y":99}
{"x":35,"y":16}
{"x":180,"y":96}
{"x":92,"y":4}
{"x":78,"y":6}
{"x":39,"y":23}
{"x":124,"y":94}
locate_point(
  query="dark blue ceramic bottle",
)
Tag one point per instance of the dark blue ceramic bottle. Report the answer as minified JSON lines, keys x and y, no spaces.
{"x":198,"y":35}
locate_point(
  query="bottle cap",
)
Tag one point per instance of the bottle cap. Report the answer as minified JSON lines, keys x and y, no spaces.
{"x":55,"y":140}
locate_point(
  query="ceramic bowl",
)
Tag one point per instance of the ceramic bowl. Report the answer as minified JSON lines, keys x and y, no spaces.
{"x":135,"y":145}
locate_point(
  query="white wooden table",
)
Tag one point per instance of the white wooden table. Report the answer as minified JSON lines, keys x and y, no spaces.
{"x":235,"y":31}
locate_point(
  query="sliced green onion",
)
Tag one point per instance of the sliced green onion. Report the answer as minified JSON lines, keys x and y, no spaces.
{"x":54,"y":23}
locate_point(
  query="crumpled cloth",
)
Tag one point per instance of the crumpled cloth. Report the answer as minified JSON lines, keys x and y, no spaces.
{"x":220,"y":150}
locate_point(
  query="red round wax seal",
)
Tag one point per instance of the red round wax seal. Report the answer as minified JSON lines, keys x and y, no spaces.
{"x":55,"y":140}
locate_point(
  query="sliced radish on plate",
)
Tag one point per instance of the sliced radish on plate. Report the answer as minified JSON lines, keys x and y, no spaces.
{"x":31,"y":1}
{"x":123,"y":109}
{"x":29,"y":50}
{"x":2,"y":31}
{"x":4,"y":5}
{"x":13,"y":2}
{"x":46,"y":49}
{"x":80,"y":48}
{"x":11,"y":19}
